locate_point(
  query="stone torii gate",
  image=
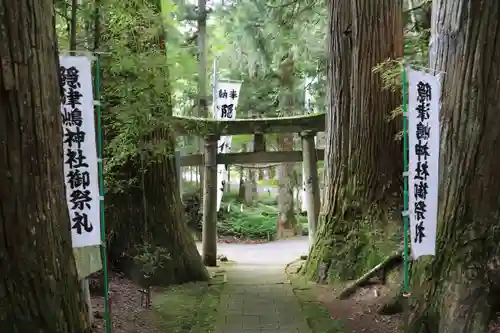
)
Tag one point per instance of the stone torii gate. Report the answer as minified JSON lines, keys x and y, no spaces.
{"x":211,"y":130}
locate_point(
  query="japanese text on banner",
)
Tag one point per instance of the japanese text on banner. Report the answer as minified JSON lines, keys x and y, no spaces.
{"x":80,"y":155}
{"x":424,"y":91}
{"x":225,"y":109}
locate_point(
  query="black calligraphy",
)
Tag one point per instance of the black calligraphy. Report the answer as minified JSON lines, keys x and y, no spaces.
{"x":227,"y":111}
{"x":78,"y":177}
{"x":422,"y":151}
{"x":223,"y":146}
{"x":419,"y":232}
{"x":227,"y":108}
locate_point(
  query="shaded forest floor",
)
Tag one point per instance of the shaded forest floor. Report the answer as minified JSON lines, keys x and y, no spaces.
{"x":358,"y":314}
{"x":192,"y":307}
{"x":187,"y":308}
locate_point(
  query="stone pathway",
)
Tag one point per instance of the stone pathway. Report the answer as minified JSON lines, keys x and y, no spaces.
{"x":258,"y":298}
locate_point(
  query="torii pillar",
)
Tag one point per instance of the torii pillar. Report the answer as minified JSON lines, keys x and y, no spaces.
{"x":209,"y":232}
{"x":311,"y":184}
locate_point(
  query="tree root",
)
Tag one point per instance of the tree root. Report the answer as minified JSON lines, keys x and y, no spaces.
{"x":389,"y":263}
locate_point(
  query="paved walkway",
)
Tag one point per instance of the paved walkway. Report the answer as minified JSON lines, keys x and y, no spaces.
{"x":257,"y":297}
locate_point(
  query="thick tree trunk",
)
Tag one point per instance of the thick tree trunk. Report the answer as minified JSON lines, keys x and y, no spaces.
{"x":155,"y":218}
{"x":39,"y":290}
{"x":166,"y":220}
{"x":286,"y":222}
{"x":456,"y":290}
{"x":160,"y":221}
{"x":363,"y":170}
{"x":202,"y":71}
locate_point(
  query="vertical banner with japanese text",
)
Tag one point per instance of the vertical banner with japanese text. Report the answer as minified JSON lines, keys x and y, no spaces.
{"x":424,"y":92}
{"x":225,"y":109}
{"x":80,"y":154}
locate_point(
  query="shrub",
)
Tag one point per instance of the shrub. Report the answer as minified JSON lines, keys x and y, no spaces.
{"x":258,"y":222}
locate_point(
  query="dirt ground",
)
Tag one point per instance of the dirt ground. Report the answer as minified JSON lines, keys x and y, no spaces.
{"x":186,"y":308}
{"x":359,"y":313}
{"x":127,"y":314}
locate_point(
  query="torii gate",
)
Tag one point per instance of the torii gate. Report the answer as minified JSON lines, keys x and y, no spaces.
{"x":211,"y":130}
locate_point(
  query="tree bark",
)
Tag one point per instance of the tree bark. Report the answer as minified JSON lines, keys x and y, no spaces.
{"x":39,"y":290}
{"x":161,"y":223}
{"x":202,"y":70}
{"x":286,"y":222}
{"x":361,"y":151}
{"x":166,"y":219}
{"x":456,"y":291}
{"x":251,"y":194}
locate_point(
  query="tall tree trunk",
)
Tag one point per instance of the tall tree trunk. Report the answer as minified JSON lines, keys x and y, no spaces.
{"x":39,"y":290}
{"x":166,"y":219}
{"x":286,"y":222}
{"x":362,"y":172}
{"x":165,"y":206}
{"x":202,"y":71}
{"x":161,"y":223}
{"x":455,"y":291}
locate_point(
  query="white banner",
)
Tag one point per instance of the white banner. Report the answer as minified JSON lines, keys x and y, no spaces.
{"x":80,"y":155}
{"x":227,"y":100}
{"x":424,"y":92}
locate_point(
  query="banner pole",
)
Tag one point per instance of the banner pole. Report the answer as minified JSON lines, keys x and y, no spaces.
{"x":104,"y":247}
{"x":406,"y":216}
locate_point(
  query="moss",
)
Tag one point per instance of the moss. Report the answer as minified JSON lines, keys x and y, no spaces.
{"x":316,"y":314}
{"x":347,"y":247}
{"x":190,"y":307}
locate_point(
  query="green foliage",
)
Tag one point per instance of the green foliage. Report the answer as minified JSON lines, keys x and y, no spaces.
{"x":150,"y":258}
{"x":256,"y":222}
{"x":139,"y":97}
{"x":143,"y":82}
{"x":268,"y":182}
{"x":252,"y":38}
